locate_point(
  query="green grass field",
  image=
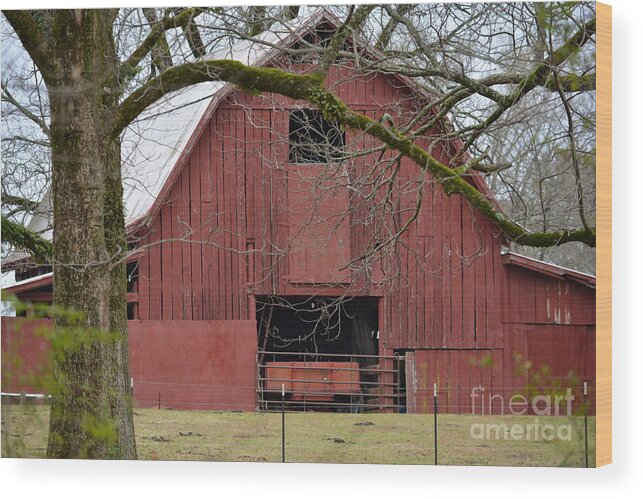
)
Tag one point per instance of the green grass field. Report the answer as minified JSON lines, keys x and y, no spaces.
{"x":325,"y":438}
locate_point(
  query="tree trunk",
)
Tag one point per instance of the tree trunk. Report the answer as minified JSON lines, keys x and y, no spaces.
{"x":91,"y":411}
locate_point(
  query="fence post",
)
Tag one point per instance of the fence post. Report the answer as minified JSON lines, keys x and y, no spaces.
{"x":435,"y":421}
{"x":283,"y":423}
{"x":586,"y":442}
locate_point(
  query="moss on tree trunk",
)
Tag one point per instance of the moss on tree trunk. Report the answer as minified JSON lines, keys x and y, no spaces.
{"x":91,"y":413}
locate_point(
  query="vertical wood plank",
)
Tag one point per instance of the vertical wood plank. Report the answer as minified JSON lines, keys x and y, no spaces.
{"x":166,"y":261}
{"x":241,"y":195}
{"x":228,"y":165}
{"x":440,"y":272}
{"x":205,"y":196}
{"x":212,"y":250}
{"x":186,"y":261}
{"x":469,"y":248}
{"x":446,"y":284}
{"x":155,"y":269}
{"x":144,"y":280}
{"x":457,"y":268}
{"x":480,"y":293}
{"x":177,"y":253}
{"x":220,"y":215}
{"x":197,"y":234}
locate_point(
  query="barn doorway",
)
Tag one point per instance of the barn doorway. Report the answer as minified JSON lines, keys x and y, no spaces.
{"x":324,"y":350}
{"x":319,"y":326}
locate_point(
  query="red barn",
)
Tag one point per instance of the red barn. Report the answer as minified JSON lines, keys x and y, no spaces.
{"x":268,"y":250}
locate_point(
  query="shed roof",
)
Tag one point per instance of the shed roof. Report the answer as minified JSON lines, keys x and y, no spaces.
{"x":31,"y":284}
{"x":548,"y":269}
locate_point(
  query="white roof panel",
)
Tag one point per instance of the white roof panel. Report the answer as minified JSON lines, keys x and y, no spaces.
{"x":152,"y":145}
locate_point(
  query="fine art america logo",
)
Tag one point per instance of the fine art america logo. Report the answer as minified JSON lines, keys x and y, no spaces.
{"x":518,"y":405}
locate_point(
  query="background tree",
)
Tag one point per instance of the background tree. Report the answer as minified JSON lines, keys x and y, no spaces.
{"x":516,"y":81}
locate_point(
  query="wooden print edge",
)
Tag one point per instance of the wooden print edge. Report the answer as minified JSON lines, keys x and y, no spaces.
{"x":604,"y":235}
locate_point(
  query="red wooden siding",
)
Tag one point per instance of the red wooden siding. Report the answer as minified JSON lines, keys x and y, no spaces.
{"x":550,"y":359}
{"x":194,"y":364}
{"x":318,"y":227}
{"x":25,"y":350}
{"x":487,"y":381}
{"x":188,"y":364}
{"x":549,"y":333}
{"x":239,"y":190}
{"x":534,"y":298}
{"x":455,"y":372}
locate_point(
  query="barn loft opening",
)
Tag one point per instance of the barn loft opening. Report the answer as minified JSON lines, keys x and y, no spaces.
{"x":309,"y":48}
{"x":314,"y":139}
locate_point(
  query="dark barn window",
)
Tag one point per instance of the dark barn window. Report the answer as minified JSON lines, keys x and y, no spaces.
{"x":132,"y":311}
{"x":314,"y":139}
{"x":132,"y":277}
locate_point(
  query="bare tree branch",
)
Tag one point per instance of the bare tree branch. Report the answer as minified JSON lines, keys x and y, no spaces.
{"x":290,"y":12}
{"x":152,"y":38}
{"x":178,"y":77}
{"x":192,"y":35}
{"x":24,"y":110}
{"x":32,"y":36}
{"x":387,"y":32}
{"x":354,"y":20}
{"x":538,"y":76}
{"x":161,"y":56}
{"x":25,"y":204}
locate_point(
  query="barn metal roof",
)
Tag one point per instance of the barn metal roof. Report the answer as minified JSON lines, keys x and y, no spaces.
{"x":549,"y":269}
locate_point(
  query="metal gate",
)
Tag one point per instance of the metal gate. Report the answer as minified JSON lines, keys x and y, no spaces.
{"x":329,"y":382}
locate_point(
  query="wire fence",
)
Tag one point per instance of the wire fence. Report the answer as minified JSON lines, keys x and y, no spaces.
{"x":538,"y":428}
